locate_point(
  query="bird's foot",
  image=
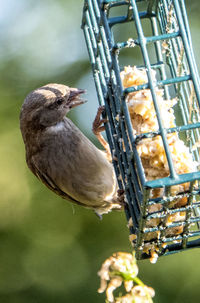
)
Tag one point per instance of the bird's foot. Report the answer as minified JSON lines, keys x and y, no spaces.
{"x":98,"y":126}
{"x":121,"y":197}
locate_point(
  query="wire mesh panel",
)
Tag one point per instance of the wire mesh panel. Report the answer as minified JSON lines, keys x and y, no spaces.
{"x":145,"y":75}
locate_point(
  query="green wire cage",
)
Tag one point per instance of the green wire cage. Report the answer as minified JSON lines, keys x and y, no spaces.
{"x":151,"y":25}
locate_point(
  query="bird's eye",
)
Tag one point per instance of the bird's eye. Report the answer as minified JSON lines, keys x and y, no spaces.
{"x":59,"y":101}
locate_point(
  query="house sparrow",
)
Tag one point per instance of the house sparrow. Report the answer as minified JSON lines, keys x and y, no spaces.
{"x":59,"y":154}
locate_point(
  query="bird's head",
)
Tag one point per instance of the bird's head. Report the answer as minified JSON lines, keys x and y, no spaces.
{"x":49,"y":104}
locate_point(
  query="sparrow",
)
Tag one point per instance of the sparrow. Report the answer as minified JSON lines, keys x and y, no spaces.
{"x":61,"y":156}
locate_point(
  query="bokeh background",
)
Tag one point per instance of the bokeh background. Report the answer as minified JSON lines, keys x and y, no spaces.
{"x":50,"y":251}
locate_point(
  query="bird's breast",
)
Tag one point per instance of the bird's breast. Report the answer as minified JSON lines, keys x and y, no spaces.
{"x":75,"y":165}
{"x":56,"y":128}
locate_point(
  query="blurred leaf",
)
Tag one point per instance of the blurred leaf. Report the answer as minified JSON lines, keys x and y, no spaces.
{"x":12,"y":252}
{"x":57,"y":269}
{"x":15,"y":193}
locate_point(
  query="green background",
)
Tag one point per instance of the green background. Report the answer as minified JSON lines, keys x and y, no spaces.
{"x":50,"y":250}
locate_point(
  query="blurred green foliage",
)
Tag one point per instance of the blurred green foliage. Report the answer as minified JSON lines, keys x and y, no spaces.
{"x":50,"y":251}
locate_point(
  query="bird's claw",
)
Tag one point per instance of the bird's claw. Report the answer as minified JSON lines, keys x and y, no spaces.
{"x":121,"y":196}
{"x":97,"y":126}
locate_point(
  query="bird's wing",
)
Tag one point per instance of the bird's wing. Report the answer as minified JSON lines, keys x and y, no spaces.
{"x":50,"y":183}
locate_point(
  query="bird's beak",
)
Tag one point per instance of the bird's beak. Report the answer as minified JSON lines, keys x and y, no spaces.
{"x":74,"y":97}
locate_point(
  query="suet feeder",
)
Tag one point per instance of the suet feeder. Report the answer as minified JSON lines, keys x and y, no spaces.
{"x":158,"y":30}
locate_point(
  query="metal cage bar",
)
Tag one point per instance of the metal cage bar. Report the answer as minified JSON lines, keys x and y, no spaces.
{"x":177,"y":75}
